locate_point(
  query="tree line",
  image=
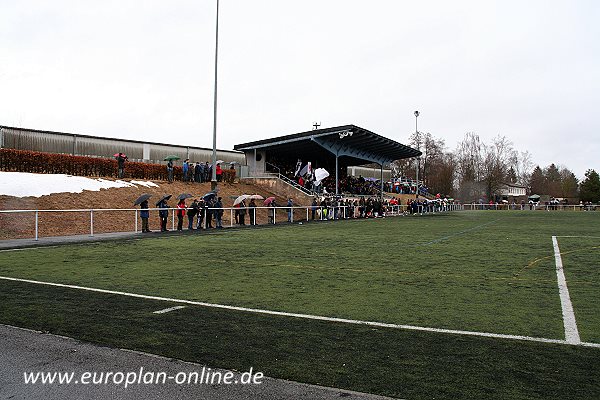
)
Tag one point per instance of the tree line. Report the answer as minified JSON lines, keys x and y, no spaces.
{"x":477,"y":169}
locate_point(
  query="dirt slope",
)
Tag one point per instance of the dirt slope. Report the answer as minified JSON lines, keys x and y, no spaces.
{"x":54,"y":224}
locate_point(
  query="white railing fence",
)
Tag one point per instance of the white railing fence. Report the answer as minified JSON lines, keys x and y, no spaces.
{"x":268,"y":215}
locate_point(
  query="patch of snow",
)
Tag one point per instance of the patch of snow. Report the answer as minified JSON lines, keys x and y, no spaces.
{"x":145,"y":183}
{"x":23,"y":184}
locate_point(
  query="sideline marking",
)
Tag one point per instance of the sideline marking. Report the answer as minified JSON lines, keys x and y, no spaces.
{"x":571,"y":332}
{"x":309,"y":316}
{"x":166,"y":310}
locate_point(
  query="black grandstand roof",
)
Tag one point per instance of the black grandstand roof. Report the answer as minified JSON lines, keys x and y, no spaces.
{"x":358,"y":143}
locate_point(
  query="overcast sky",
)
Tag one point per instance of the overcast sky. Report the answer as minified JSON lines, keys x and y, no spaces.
{"x":143,"y":69}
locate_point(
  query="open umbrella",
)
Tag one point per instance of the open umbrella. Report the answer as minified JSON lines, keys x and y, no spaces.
{"x":142,"y":198}
{"x":219,"y":162}
{"x":165,"y":197}
{"x":269,"y":200}
{"x":209,"y":195}
{"x":172,"y":157}
{"x":534,"y":197}
{"x":119,"y":154}
{"x":256,"y":197}
{"x":184,"y":196}
{"x":240,"y":199}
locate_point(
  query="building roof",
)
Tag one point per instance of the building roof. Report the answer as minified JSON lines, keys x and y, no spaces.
{"x":355,"y":143}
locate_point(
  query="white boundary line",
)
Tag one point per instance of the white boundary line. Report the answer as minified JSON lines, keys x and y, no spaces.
{"x":308,"y":316}
{"x":166,"y":310}
{"x":571,"y":332}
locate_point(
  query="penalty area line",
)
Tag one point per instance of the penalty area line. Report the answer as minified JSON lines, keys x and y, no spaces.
{"x":569,"y":322}
{"x":307,"y":316}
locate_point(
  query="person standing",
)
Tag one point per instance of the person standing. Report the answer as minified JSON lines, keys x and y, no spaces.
{"x":180,"y":214}
{"x":163,"y":214}
{"x":170,"y":171}
{"x":272,"y":212}
{"x":201,"y":213}
{"x":186,"y":167}
{"x":290,"y":210}
{"x":144,"y":215}
{"x":191,"y":213}
{"x":219,"y":173}
{"x":252,"y":212}
{"x":208,"y":212}
{"x":207,"y":172}
{"x":242,"y":211}
{"x":313,"y":208}
{"x":219,"y":212}
{"x":121,"y":164}
{"x":197,"y":173}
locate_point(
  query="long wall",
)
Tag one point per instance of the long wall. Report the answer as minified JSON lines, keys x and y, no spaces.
{"x":84,"y":145}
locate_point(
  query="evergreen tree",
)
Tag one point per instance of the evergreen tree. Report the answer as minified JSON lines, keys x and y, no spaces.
{"x":590,"y":187}
{"x":537,"y":182}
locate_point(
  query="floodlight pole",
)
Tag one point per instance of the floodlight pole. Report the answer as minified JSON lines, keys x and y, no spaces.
{"x":213,"y":182}
{"x":418,"y":158}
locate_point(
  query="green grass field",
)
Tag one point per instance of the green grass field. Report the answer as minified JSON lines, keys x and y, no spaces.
{"x":487,"y":271}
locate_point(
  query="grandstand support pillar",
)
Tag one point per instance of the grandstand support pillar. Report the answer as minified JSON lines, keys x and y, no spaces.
{"x":336,"y":176}
{"x":381,"y":165}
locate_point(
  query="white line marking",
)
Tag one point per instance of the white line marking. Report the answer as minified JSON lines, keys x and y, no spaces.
{"x":166,"y":310}
{"x":307,"y":316}
{"x":27,"y":248}
{"x":582,"y":237}
{"x":571,"y":332}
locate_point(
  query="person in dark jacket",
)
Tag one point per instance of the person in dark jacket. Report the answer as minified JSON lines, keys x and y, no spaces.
{"x":242,"y":211}
{"x":252,"y":212}
{"x":201,"y":214}
{"x":191,"y":213}
{"x":170,"y":171}
{"x":144,"y":215}
{"x":208,"y":213}
{"x":163,"y":214}
{"x":121,"y":163}
{"x":219,"y":212}
{"x":197,"y":173}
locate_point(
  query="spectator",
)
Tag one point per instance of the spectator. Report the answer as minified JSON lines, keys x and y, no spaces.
{"x":121,"y":164}
{"x":163,"y":214}
{"x":180,"y":214}
{"x":252,"y":212}
{"x":191,"y":213}
{"x":219,"y":212}
{"x":144,"y":215}
{"x":170,"y":171}
{"x":290,"y":210}
{"x":242,"y":212}
{"x":186,"y":167}
{"x":219,"y":172}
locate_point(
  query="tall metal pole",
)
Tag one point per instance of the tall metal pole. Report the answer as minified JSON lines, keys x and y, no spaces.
{"x":213,"y":181}
{"x":418,"y":158}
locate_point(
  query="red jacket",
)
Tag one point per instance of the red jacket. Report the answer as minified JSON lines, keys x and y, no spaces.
{"x":219,"y":170}
{"x":181,"y":209}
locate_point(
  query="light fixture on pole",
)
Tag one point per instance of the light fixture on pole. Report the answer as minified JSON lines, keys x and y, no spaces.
{"x":213,"y":181}
{"x":418,"y":158}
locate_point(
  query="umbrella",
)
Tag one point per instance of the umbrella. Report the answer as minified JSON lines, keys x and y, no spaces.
{"x":209,"y":195}
{"x":269,"y":200}
{"x":165,"y":197}
{"x":534,"y":197}
{"x":304,"y":170}
{"x":256,"y":197}
{"x":219,"y":162}
{"x":240,"y":199}
{"x":119,"y":154}
{"x":234,"y":162}
{"x":142,"y":198}
{"x":172,"y":157}
{"x":320,"y":174}
{"x":184,"y":196}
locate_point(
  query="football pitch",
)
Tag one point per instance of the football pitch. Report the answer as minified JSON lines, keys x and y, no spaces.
{"x":487,"y":304}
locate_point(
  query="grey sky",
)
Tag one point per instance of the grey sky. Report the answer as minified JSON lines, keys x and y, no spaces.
{"x":143,"y":69}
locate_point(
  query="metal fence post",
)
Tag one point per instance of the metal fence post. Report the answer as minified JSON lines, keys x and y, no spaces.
{"x":136,"y":221}
{"x":173,"y":219}
{"x":36,"y":224}
{"x":91,"y":222}
{"x":231,"y":213}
